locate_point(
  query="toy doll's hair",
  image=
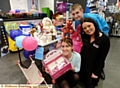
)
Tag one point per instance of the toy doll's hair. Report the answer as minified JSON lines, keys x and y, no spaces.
{"x":68,"y":41}
{"x":75,"y":6}
{"x":57,"y":15}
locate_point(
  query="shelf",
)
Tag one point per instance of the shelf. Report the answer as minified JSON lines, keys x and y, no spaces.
{"x":20,"y":19}
{"x":114,"y":35}
{"x":45,"y":44}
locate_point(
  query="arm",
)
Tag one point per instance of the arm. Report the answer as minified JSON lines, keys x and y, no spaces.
{"x":77,"y":63}
{"x":102,"y":24}
{"x":102,"y":53}
{"x":71,"y":30}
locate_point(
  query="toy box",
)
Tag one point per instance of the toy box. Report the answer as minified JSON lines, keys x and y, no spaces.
{"x":56,"y":64}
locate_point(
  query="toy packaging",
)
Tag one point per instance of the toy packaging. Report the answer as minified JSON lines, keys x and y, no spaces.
{"x":56,"y":64}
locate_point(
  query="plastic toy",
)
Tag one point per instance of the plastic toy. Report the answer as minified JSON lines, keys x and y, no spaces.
{"x":68,"y":29}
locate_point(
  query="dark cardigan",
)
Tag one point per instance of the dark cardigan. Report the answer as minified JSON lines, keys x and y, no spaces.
{"x":93,"y":54}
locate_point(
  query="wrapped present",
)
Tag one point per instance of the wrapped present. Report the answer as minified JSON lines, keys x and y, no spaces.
{"x":56,"y":64}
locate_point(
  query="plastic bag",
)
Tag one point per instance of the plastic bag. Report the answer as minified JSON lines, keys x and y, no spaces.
{"x":77,"y":40}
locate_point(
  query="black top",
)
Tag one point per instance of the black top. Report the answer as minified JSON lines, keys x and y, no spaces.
{"x":93,"y":54}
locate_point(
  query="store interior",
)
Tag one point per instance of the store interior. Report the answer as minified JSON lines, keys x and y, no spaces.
{"x":18,"y":23}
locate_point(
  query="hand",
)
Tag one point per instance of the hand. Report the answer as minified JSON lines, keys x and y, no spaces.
{"x":94,"y":76}
{"x":72,"y":69}
{"x":46,"y":70}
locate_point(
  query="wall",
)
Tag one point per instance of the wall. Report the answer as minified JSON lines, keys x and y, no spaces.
{"x":5,"y":5}
{"x":46,"y":3}
{"x":19,"y":4}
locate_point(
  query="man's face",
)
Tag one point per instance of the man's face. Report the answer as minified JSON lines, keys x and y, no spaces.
{"x":77,"y":14}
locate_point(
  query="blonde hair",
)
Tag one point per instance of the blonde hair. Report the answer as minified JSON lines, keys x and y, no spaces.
{"x":75,"y":6}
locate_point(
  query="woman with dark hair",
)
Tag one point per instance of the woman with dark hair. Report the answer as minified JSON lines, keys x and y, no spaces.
{"x":94,"y":51}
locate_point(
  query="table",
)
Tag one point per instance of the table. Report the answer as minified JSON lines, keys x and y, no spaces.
{"x":45,"y":44}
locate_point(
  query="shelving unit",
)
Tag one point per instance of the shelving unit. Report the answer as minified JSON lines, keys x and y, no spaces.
{"x":93,"y":7}
{"x":116,"y":30}
{"x":114,"y":20}
{"x":3,"y":40}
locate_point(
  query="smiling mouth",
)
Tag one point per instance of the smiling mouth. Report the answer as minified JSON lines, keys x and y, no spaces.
{"x":65,"y":51}
{"x":88,"y":32}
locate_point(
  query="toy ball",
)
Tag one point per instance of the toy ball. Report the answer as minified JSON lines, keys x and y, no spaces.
{"x":12,"y":11}
{"x":28,"y":53}
{"x":29,"y":43}
{"x":15,"y":33}
{"x":18,"y":41}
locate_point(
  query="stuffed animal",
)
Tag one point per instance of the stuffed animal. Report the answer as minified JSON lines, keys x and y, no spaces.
{"x":33,"y":31}
{"x":68,"y":29}
{"x":48,"y":25}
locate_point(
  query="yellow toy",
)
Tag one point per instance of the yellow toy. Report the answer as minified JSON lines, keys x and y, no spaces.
{"x":12,"y":46}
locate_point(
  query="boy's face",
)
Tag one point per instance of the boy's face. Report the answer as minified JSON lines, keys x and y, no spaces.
{"x":77,"y":14}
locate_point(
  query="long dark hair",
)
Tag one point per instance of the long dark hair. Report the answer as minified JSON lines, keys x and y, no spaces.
{"x":85,"y":36}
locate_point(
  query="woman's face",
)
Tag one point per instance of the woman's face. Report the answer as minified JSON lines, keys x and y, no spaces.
{"x":66,"y":49}
{"x":88,"y":28}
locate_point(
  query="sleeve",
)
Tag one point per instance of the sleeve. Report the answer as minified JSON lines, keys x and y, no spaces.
{"x":102,"y":53}
{"x":102,"y":24}
{"x":77,"y":62}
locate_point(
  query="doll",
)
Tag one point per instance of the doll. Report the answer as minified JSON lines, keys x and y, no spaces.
{"x":58,"y":19}
{"x":68,"y":29}
{"x":48,"y":26}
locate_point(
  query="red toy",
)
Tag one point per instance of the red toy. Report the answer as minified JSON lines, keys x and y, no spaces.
{"x":68,"y":29}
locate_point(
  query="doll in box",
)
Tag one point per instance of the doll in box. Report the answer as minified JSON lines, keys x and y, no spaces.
{"x":68,"y":29}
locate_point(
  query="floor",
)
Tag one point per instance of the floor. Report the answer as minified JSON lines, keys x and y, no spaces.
{"x":10,"y":73}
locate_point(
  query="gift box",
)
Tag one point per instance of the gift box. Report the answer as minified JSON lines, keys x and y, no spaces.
{"x":56,"y":64}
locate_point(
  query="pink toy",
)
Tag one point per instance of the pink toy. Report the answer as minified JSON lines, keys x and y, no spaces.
{"x":29,"y":43}
{"x":56,"y":64}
